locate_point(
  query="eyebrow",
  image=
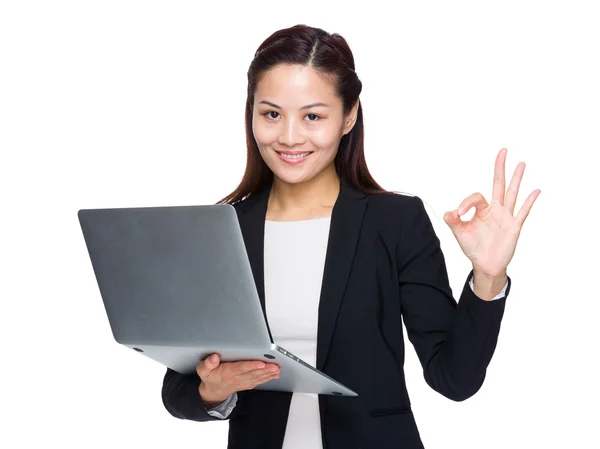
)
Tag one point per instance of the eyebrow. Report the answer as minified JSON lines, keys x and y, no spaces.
{"x":308,"y":106}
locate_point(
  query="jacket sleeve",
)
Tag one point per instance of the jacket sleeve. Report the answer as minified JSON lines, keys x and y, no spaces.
{"x":454,"y":342}
{"x":181,"y":398}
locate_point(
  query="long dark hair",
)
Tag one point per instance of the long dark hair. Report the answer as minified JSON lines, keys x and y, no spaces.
{"x":330,"y":55}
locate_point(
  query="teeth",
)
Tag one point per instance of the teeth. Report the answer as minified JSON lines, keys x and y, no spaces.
{"x":297,"y":156}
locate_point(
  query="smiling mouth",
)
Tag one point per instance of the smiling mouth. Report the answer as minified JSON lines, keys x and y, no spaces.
{"x":294,"y":158}
{"x":285,"y":153}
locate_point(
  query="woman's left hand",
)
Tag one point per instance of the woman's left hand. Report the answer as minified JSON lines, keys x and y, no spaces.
{"x":489,"y":239}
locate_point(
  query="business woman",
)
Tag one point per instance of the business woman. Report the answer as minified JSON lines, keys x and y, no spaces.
{"x":339,"y":263}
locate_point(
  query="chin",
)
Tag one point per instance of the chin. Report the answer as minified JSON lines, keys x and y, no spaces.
{"x":290,"y":178}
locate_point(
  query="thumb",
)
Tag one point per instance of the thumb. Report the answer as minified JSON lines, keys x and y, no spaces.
{"x":452,"y":219}
{"x":214,"y":360}
{"x":210,"y":364}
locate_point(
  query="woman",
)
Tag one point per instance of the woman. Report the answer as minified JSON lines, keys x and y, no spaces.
{"x":339,"y":262}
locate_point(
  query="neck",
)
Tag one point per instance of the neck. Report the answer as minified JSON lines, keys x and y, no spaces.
{"x":319,"y":193}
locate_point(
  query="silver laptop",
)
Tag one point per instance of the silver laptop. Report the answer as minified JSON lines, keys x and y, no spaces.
{"x":177,"y":286}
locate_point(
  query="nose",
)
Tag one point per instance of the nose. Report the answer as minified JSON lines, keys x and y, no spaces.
{"x":291,"y":133}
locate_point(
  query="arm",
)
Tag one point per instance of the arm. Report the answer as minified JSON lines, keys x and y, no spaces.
{"x":454,"y":342}
{"x":181,"y":398}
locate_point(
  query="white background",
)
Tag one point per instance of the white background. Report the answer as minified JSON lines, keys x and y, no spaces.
{"x":141,"y":103}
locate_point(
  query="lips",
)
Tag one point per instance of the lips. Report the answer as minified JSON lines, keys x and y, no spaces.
{"x":285,"y":157}
{"x":293,"y":153}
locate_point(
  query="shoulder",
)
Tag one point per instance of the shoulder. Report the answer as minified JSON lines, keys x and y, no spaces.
{"x":400,"y":217}
{"x":395,"y":205}
{"x":244,"y":204}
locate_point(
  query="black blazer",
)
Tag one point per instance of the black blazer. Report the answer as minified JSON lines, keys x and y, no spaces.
{"x":383,"y":264}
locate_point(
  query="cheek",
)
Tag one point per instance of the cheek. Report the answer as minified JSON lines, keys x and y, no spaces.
{"x":325,"y":138}
{"x":264,"y":135}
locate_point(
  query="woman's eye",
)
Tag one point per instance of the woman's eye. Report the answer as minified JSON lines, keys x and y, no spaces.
{"x":312,"y":117}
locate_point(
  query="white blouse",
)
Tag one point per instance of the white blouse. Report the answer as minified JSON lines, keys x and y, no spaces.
{"x":294,"y":263}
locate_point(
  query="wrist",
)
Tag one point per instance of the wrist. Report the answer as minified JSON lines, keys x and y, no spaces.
{"x":483,"y":275}
{"x":486,"y":286}
{"x":210,"y":398}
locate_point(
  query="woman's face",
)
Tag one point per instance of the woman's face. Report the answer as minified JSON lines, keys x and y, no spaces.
{"x":297,"y":111}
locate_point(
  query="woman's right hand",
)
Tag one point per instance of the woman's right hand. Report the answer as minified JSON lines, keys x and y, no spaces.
{"x":221,"y":380}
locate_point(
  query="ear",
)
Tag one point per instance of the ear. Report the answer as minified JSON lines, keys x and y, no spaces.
{"x":350,"y":119}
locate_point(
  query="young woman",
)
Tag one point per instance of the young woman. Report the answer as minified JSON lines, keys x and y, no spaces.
{"x":339,"y":263}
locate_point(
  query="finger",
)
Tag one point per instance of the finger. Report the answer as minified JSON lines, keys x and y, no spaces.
{"x":248,"y":383}
{"x":248,"y":366}
{"x":266,"y":371}
{"x":513,"y":188}
{"x":267,"y":375}
{"x":476,"y":200}
{"x":264,"y":379}
{"x":247,"y":377}
{"x":499,"y":177}
{"x":208,"y":365}
{"x":524,"y":212}
{"x":453,"y":220}
{"x":273,"y":369}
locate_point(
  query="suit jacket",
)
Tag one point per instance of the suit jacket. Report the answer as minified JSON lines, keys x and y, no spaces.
{"x":383,"y":265}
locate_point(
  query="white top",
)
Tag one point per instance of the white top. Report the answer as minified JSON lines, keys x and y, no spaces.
{"x":294,"y":260}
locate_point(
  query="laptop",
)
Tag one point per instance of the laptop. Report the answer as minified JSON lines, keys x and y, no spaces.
{"x":177,"y":286}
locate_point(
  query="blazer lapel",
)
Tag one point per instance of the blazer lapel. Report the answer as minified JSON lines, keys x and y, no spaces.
{"x":346,"y":221}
